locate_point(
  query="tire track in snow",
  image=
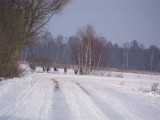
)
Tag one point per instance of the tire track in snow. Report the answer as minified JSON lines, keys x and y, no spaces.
{"x":83,"y":89}
{"x":33,"y":103}
{"x":56,"y":85}
{"x":137,"y":105}
{"x":60,"y":109}
{"x":81,"y":105}
{"x":43,"y":112}
{"x":38,"y":102}
{"x":106,"y":109}
{"x":105,"y":100}
{"x":20,"y":100}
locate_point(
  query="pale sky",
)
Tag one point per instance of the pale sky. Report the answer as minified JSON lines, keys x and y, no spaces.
{"x":118,"y":21}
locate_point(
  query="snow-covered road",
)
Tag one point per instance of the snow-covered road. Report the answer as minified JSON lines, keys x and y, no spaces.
{"x":48,"y":96}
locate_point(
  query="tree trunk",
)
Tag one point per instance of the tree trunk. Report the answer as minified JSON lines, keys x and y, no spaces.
{"x":86,"y":60}
{"x":152,"y":56}
{"x":100,"y":56}
{"x":8,"y":65}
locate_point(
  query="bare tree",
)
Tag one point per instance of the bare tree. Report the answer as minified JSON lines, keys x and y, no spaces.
{"x":100,"y":49}
{"x":80,"y":51}
{"x":84,"y":41}
{"x":126,"y":54}
{"x":89,"y":49}
{"x":58,"y":42}
{"x":20,"y":20}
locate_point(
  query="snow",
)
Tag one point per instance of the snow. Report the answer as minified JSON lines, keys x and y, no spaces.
{"x":60,"y":96}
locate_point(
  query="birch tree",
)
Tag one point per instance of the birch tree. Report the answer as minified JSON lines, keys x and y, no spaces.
{"x":126,"y":55}
{"x":89,"y":49}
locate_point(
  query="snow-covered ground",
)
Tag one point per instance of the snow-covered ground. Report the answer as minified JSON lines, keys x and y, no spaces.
{"x":59,"y":96}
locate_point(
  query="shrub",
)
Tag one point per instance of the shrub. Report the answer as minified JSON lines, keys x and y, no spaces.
{"x":154,"y":87}
{"x":119,"y":75}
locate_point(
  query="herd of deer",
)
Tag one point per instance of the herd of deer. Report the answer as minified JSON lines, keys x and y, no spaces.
{"x":47,"y":69}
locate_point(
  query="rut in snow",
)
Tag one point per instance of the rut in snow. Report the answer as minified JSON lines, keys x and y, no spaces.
{"x":82,"y":88}
{"x":56,"y":85}
{"x":60,"y":109}
{"x":103,"y":106}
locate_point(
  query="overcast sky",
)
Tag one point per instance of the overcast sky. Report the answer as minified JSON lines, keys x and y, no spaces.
{"x":118,"y":21}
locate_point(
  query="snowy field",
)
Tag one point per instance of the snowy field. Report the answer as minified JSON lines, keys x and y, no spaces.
{"x":59,"y":96}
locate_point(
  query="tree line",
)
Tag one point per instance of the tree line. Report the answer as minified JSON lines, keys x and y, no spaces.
{"x":89,"y":52}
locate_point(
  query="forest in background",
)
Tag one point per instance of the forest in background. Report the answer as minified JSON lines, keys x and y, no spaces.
{"x":89,"y":51}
